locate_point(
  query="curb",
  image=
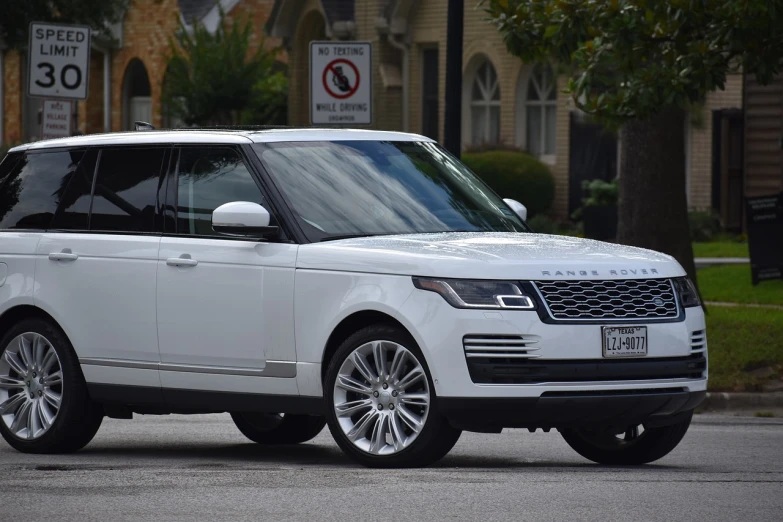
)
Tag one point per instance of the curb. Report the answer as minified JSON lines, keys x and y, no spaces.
{"x":722,"y":401}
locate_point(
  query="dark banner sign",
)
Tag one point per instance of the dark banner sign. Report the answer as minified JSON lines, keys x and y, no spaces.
{"x":765,"y":237}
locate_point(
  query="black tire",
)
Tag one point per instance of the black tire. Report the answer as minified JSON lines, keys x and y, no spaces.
{"x":606,"y":448}
{"x":436,"y":438}
{"x":78,"y":418}
{"x":275,"y":428}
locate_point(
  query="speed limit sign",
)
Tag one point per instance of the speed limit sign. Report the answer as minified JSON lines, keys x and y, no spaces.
{"x":59,"y":64}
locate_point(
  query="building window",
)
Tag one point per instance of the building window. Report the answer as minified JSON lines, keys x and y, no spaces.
{"x":541,"y":111}
{"x":429,"y":93}
{"x":485,"y":106}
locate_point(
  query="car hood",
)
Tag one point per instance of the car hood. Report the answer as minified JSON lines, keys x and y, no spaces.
{"x":488,"y":255}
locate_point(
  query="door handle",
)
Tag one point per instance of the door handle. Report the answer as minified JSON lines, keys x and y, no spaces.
{"x":183,"y":260}
{"x":65,"y":255}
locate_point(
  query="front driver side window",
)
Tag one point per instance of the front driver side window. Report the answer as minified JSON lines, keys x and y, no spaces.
{"x":208,"y":178}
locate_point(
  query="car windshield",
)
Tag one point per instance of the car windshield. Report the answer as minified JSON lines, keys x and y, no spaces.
{"x":343,"y":189}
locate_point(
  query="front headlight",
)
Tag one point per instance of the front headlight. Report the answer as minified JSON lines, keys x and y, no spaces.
{"x":689,"y":296}
{"x":463,"y":293}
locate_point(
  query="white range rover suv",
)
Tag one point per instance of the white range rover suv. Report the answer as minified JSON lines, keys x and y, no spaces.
{"x":299,"y":277}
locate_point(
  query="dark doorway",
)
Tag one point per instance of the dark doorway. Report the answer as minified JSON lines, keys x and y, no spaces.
{"x":429,"y":94}
{"x":728,"y":174}
{"x":592,"y":155}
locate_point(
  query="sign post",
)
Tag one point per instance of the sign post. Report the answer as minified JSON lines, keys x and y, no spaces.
{"x":340,"y":83}
{"x":59,"y":61}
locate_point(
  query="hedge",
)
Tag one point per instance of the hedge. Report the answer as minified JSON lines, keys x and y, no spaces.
{"x":515,"y":175}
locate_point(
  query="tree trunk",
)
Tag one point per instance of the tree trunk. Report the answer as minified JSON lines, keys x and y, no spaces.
{"x":653,"y":207}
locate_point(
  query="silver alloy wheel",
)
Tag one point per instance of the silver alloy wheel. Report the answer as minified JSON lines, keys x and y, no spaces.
{"x":31,"y":385}
{"x":381,"y":397}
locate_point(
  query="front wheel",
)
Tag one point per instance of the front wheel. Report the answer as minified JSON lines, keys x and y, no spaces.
{"x":635,"y":446}
{"x":381,"y":404}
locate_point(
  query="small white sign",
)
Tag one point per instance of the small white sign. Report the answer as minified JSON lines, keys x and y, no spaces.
{"x":340,"y":83}
{"x":59,"y":64}
{"x":56,"y":119}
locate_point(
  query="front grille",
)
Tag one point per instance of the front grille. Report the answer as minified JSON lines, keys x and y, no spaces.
{"x":486,"y":370}
{"x":606,"y":300}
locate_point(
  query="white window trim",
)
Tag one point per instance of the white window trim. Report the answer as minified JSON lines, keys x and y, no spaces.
{"x":523,"y":84}
{"x":485,"y":102}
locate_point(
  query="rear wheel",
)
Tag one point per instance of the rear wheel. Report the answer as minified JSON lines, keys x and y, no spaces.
{"x":44,"y":404}
{"x":635,"y":446}
{"x":278,"y":428}
{"x":381,"y":404}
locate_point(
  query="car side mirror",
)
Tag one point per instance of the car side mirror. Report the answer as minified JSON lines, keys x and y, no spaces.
{"x":242,"y":219}
{"x":518,"y":208}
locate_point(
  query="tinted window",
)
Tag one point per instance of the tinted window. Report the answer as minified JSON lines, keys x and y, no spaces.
{"x":32,"y":191}
{"x":73,"y":211}
{"x":207,"y":179}
{"x":125,"y":189}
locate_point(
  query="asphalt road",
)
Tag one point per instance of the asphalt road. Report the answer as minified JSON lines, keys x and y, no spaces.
{"x":202,"y":468}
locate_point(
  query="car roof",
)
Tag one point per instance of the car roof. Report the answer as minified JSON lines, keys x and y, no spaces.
{"x":221,"y":136}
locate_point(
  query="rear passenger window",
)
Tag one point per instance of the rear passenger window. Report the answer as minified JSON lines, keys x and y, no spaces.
{"x":207,"y":179}
{"x":31,"y":192}
{"x":126,"y":187}
{"x":73,"y":211}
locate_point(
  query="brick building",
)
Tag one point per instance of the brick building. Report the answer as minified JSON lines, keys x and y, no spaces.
{"x":504,"y":100}
{"x":125,"y":78}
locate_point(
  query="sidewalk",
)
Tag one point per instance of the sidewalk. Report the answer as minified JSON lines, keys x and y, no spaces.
{"x":743,"y":305}
{"x":729,"y":401}
{"x":702,"y":262}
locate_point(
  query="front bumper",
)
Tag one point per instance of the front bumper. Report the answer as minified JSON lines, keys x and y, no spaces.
{"x":652,"y":407}
{"x":568,"y":358}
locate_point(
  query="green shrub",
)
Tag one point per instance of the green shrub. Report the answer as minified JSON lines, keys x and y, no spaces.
{"x":542,"y":224}
{"x":515,"y":175}
{"x":705,"y":225}
{"x":600,"y":193}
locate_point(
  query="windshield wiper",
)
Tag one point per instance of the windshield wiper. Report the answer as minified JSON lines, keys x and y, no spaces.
{"x":345,"y":236}
{"x":365,"y":234}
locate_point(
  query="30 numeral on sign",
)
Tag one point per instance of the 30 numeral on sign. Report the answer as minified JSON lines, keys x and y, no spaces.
{"x":49,"y":75}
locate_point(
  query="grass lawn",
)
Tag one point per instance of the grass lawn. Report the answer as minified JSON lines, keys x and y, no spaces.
{"x":720,"y":249}
{"x":731,"y":283}
{"x":741,"y":339}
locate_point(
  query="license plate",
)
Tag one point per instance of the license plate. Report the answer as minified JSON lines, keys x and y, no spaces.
{"x":624,"y":341}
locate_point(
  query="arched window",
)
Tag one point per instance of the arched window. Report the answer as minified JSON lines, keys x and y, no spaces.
{"x":136,"y":95}
{"x":541,"y":111}
{"x":485,"y":106}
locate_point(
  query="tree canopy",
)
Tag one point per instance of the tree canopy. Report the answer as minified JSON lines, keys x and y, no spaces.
{"x":16,"y":15}
{"x":217,"y":79}
{"x":630,"y":58}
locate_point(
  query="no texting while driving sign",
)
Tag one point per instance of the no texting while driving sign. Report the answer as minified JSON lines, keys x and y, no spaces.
{"x":340,"y":83}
